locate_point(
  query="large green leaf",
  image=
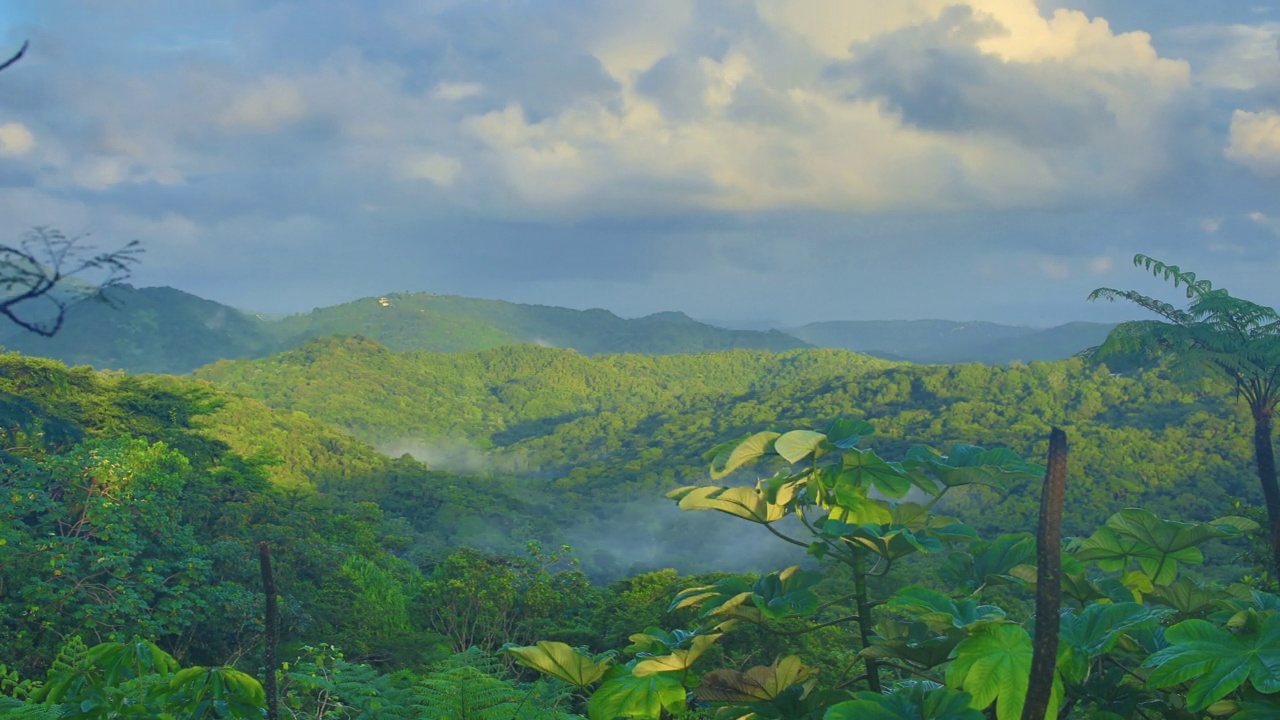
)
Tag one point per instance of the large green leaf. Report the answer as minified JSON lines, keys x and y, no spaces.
{"x":1216,"y":661}
{"x":1186,"y":596}
{"x":1095,"y":631}
{"x":624,"y":695}
{"x":723,"y":598}
{"x":786,"y":593}
{"x":939,"y":611}
{"x":1156,"y":545}
{"x":758,"y":683}
{"x":969,"y":465}
{"x":991,"y":563}
{"x":1254,"y":705}
{"x":560,"y":661}
{"x":862,"y":470}
{"x":203,"y":692}
{"x":797,"y":445}
{"x":994,"y":665}
{"x":910,"y":701}
{"x":915,"y":642}
{"x":678,"y":660}
{"x":744,"y":502}
{"x":744,"y":452}
{"x":845,"y":433}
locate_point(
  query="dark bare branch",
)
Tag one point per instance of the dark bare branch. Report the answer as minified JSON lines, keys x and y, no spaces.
{"x":47,"y":268}
{"x":17,"y":56}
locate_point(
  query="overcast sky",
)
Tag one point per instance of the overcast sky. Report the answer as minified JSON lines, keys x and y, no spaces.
{"x":789,"y":160}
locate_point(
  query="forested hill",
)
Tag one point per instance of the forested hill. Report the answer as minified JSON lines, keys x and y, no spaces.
{"x":163,"y":330}
{"x":148,"y":330}
{"x":629,"y":426}
{"x":422,"y":321}
{"x":945,"y":341}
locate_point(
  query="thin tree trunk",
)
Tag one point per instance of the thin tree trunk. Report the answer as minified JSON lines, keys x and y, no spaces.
{"x":1044,"y":652}
{"x":1265,"y":455}
{"x":271,"y":631}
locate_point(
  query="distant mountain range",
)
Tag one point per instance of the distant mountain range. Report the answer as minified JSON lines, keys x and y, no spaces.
{"x":945,"y":341}
{"x":163,"y":330}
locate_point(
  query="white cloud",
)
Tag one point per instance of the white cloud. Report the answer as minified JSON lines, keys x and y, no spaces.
{"x":457,"y":90}
{"x":823,"y":146}
{"x":1101,"y":264}
{"x":1054,"y":269}
{"x":1264,"y":220}
{"x":15,"y":139}
{"x":441,"y":170}
{"x":1254,"y":140}
{"x":1230,"y":57}
{"x":272,"y":104}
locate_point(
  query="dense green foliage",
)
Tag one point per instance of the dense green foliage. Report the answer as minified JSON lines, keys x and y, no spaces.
{"x":134,"y":506}
{"x":926,"y":654}
{"x":593,"y":426}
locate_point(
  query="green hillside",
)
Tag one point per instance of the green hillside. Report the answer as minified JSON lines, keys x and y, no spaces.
{"x":596,"y":424}
{"x":163,"y":330}
{"x":449,"y":323}
{"x":147,"y":330}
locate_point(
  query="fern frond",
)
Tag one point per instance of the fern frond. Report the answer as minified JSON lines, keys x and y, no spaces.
{"x":11,"y":709}
{"x":1195,"y":286}
{"x":1165,"y":310}
{"x":470,"y":686}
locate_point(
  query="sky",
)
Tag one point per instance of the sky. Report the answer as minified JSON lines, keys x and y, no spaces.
{"x":739,"y":160}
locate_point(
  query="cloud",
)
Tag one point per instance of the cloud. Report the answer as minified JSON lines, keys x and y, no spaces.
{"x":1054,"y":269}
{"x":928,"y":107}
{"x":1254,"y":140}
{"x":270,"y":105}
{"x":457,"y":90}
{"x":1101,"y":265}
{"x":687,"y":154}
{"x":1230,"y":57}
{"x":15,"y":139}
{"x":441,"y":170}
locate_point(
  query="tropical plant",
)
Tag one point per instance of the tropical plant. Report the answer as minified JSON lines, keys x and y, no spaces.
{"x":138,"y":679}
{"x":1234,"y":338}
{"x":925,"y":654}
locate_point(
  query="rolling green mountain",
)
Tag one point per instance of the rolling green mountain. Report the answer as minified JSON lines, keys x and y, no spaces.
{"x":163,"y":330}
{"x":944,"y":341}
{"x":593,"y":426}
{"x":147,"y":330}
{"x":422,"y":321}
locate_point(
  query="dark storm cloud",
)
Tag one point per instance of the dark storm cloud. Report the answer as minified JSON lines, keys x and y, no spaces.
{"x":935,"y":75}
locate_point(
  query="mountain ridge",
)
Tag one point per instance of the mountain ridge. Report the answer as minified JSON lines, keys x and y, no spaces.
{"x":169,"y":331}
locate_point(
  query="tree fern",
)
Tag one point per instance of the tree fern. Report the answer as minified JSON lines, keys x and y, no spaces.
{"x":1237,"y":339}
{"x":11,"y":709}
{"x":469,"y":686}
{"x":324,"y":686}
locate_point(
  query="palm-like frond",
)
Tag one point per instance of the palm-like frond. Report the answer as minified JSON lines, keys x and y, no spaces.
{"x":1179,"y":276}
{"x":1235,"y":338}
{"x":1163,"y":309}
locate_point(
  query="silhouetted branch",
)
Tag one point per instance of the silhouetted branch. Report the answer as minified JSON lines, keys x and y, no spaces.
{"x":41,"y":267}
{"x":17,"y":56}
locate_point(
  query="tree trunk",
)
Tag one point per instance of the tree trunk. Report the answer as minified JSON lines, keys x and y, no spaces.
{"x":271,"y":630}
{"x":1044,"y":654}
{"x":1266,"y":458}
